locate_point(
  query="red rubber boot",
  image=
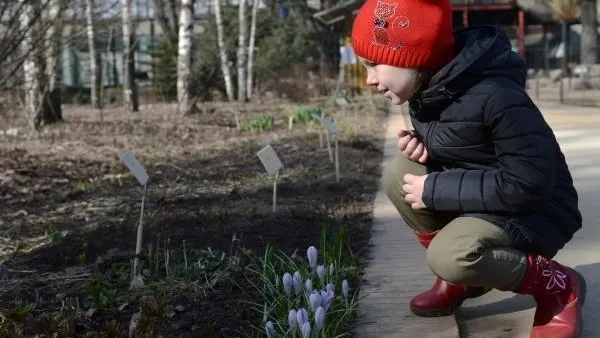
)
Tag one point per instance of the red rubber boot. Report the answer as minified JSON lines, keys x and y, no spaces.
{"x":444,"y":297}
{"x":558,"y":291}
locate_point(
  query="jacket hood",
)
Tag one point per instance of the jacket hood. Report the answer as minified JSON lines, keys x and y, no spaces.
{"x":480,"y":52}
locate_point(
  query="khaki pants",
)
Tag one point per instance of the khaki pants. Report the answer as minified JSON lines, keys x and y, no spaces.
{"x":467,"y":250}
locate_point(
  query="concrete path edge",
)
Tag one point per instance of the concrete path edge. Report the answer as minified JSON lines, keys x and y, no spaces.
{"x":397,"y":268}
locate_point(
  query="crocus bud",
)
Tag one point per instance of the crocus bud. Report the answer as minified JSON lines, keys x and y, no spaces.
{"x":326,"y":298}
{"x":292,"y":321}
{"x":345,"y":288}
{"x":301,"y":316}
{"x":308,"y":285}
{"x":315,"y":300}
{"x":288,"y":284}
{"x":321,"y":273}
{"x":312,"y":255}
{"x":330,"y":287}
{"x":319,"y":319}
{"x":331,"y":270}
{"x":297,"y":280}
{"x":306,"y":330}
{"x":270,"y":329}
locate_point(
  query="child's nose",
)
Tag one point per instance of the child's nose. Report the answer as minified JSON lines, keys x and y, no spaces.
{"x":371,"y":80}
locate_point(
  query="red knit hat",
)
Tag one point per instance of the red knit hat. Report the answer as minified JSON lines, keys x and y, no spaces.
{"x":405,"y":33}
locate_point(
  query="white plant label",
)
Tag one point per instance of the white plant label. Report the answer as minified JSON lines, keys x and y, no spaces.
{"x":135,"y":167}
{"x":330,"y":125}
{"x":270,"y":160}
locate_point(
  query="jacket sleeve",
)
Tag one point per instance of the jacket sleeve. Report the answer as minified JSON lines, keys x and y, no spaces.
{"x":527,"y":153}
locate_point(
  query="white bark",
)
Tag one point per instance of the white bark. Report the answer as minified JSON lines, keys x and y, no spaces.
{"x":223,"y":50}
{"x":129,"y":90}
{"x":31,"y":68}
{"x":241,"y":53}
{"x":95,"y":68}
{"x":184,"y":57}
{"x":51,"y":98}
{"x":250,"y":75}
{"x":53,"y":44}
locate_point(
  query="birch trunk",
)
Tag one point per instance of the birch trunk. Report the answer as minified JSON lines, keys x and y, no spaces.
{"x":241,"y":53}
{"x":223,"y":51}
{"x":95,"y":68}
{"x":129,"y":89}
{"x":250,"y":75}
{"x":31,"y":68}
{"x":589,"y":33}
{"x":51,"y":110}
{"x":184,"y":57}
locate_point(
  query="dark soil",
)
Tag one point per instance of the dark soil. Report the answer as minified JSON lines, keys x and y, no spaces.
{"x":67,"y":216}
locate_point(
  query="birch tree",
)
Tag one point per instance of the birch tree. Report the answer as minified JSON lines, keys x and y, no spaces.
{"x":241,"y":52}
{"x":95,"y":67}
{"x":184,"y":57}
{"x":31,"y":68}
{"x":18,"y":18}
{"x":589,"y":36}
{"x":129,"y":87}
{"x":251,"y":44}
{"x":223,"y":50}
{"x":51,"y":98}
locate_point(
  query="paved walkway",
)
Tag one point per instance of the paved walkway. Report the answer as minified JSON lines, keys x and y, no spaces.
{"x":506,"y":315}
{"x":398,"y":270}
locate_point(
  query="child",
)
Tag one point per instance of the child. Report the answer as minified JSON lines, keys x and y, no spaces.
{"x":481,"y":180}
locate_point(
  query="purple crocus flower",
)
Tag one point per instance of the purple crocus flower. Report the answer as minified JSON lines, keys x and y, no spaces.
{"x":308,"y":285}
{"x":321,"y":273}
{"x":288,"y":284}
{"x":301,"y":316}
{"x":345,"y":288}
{"x":330,"y":287}
{"x":306,"y":330}
{"x":319,"y":319}
{"x":326,"y":298}
{"x":292,"y":319}
{"x":312,"y":255}
{"x":315,"y":300}
{"x":297,"y":281}
{"x":270,"y":329}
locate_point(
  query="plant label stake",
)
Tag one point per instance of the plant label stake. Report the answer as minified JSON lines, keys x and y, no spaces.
{"x":273,"y":165}
{"x":238,"y":123}
{"x":142,"y":177}
{"x":331,"y":127}
{"x":321,"y":119}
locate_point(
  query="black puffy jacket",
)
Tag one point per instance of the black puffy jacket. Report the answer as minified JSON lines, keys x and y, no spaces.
{"x":492,"y":154}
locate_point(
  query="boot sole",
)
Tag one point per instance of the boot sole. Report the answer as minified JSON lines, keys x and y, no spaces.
{"x":447,"y":311}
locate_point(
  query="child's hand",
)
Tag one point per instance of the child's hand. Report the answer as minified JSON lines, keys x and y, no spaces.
{"x":411,"y":147}
{"x":413,"y":188}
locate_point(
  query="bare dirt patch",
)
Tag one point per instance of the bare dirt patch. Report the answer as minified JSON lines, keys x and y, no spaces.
{"x":70,"y":212}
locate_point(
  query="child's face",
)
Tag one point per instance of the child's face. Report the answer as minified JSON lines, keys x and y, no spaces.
{"x":397,"y":84}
